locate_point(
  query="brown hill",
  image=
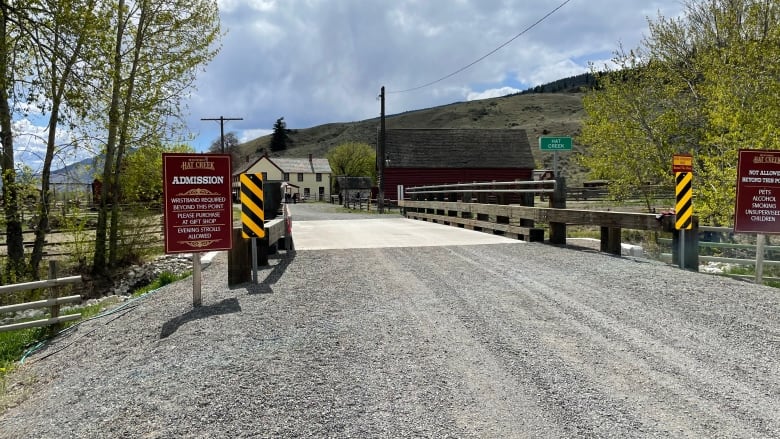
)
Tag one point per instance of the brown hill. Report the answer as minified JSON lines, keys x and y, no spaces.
{"x":554,"y":114}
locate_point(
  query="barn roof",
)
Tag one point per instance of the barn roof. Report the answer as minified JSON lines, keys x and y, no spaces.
{"x":458,"y":148}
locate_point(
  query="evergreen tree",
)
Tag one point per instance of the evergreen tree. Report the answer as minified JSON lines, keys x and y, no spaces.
{"x":279,"y":139}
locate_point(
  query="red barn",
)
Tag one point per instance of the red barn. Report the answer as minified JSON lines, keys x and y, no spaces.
{"x":422,"y":157}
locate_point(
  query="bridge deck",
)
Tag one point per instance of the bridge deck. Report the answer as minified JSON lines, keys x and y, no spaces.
{"x":384,"y":233}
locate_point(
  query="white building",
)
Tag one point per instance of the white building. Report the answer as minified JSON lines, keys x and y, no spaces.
{"x":306,"y":178}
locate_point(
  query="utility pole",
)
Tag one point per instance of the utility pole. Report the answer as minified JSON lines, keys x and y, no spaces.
{"x":380,"y":153}
{"x":222,"y":128}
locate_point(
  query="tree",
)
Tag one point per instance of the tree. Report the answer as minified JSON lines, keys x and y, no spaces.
{"x":280,"y":137}
{"x":65,"y":33}
{"x":153,"y":58}
{"x":705,"y":84}
{"x":231,"y":145}
{"x":15,"y":44}
{"x":353,"y":159}
{"x":142,"y":172}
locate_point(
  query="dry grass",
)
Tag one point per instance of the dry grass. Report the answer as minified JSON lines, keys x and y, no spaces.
{"x":556,"y":114}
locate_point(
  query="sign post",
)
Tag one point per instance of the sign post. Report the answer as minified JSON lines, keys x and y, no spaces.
{"x":555,"y":144}
{"x":252,"y":213}
{"x":682,"y":166}
{"x":198,"y":210}
{"x":758,"y":186}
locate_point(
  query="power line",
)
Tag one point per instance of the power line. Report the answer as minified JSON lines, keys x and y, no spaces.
{"x":486,"y":55}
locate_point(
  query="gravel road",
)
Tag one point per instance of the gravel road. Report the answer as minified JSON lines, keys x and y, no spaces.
{"x":510,"y":340}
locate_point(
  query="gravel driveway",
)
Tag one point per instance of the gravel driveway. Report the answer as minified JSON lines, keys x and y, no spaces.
{"x":508,"y":340}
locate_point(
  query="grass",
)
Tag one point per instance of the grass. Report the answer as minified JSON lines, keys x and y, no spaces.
{"x":12,"y":346}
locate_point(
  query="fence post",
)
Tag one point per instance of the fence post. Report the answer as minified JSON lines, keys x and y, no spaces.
{"x":691,"y":242}
{"x":239,"y":260}
{"x":558,"y":201}
{"x":54,"y":310}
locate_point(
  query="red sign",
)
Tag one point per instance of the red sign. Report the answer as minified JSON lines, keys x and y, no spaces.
{"x":198,"y":203}
{"x":758,"y":189}
{"x":682,"y":163}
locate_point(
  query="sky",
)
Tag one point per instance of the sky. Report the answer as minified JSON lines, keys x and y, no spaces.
{"x":314,"y":62}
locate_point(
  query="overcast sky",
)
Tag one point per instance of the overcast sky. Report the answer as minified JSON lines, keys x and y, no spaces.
{"x":315,"y":62}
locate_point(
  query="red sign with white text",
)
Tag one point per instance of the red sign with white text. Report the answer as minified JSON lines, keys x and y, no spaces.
{"x":758,"y":189}
{"x":198,"y":202}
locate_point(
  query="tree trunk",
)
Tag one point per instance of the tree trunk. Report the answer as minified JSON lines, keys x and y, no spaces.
{"x":13,"y":223}
{"x":99,"y":266}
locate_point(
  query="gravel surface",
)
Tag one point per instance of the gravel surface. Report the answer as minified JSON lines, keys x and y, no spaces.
{"x":516,"y":340}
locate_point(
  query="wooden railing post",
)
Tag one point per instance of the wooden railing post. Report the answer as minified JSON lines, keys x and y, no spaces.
{"x":54,"y":310}
{"x":691,"y":244}
{"x":239,"y":260}
{"x":558,"y":201}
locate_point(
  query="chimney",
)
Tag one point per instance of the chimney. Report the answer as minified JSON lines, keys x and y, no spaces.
{"x":310,"y":158}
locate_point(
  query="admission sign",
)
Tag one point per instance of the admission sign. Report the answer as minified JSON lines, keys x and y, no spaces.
{"x":198,"y":202}
{"x":758,"y":189}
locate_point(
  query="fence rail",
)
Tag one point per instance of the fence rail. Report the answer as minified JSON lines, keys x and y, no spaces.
{"x":53,"y":302}
{"x":442,"y":204}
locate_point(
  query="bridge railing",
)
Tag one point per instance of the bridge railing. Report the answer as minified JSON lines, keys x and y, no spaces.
{"x":493,"y":212}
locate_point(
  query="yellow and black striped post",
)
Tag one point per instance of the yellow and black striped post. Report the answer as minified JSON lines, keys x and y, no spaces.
{"x":684,"y":207}
{"x":252,"y":215}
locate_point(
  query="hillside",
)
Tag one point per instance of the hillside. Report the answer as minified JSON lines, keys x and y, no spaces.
{"x":555,"y":114}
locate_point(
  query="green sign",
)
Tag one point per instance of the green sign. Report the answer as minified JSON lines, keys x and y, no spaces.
{"x":555,"y":143}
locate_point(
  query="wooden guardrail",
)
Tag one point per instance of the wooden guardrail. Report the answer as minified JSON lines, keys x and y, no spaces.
{"x":508,"y":217}
{"x":489,"y":206}
{"x":53,"y":302}
{"x":278,"y":234}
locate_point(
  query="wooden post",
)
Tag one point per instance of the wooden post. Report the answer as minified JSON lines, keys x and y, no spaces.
{"x":691,"y":243}
{"x":54,"y":310}
{"x":611,"y":240}
{"x":196,"y":280}
{"x":558,"y":201}
{"x":760,"y":239}
{"x":239,"y":261}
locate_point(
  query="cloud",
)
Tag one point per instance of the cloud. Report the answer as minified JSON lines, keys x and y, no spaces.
{"x":492,"y":93}
{"x":316,"y":62}
{"x":319,"y":62}
{"x":248,"y":135}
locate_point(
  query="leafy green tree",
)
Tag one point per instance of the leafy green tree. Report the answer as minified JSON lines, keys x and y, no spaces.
{"x":280,"y":137}
{"x":142,"y":172}
{"x":15,"y":46}
{"x":353,"y":159}
{"x":153,"y":58}
{"x":66,"y":32}
{"x":706,"y":84}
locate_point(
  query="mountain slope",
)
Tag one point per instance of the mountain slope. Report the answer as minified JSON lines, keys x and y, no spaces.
{"x":554,"y":114}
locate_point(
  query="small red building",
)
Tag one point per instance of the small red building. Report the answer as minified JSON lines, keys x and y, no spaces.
{"x":422,"y":157}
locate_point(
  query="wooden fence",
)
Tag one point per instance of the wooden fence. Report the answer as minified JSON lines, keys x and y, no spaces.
{"x":53,"y":302}
{"x":472,"y":206}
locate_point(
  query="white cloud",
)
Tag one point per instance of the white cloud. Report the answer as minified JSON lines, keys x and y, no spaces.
{"x":315,"y":62}
{"x":492,"y":93}
{"x":247,"y":135}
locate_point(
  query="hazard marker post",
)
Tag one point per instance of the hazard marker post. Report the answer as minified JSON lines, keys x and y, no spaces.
{"x":252,"y":213}
{"x":682,"y":166}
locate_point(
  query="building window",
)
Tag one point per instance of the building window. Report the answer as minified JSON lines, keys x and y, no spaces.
{"x":319,"y":177}
{"x":306,"y":193}
{"x":300,"y":176}
{"x":286,"y":176}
